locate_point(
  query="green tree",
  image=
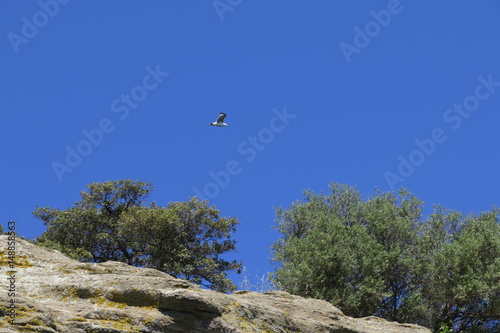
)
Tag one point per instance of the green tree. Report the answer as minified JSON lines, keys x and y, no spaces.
{"x":462,"y":284}
{"x":89,"y":230}
{"x":112,"y":222}
{"x":185,"y":240}
{"x":393,"y":222}
{"x":326,"y":251}
{"x":379,"y":256}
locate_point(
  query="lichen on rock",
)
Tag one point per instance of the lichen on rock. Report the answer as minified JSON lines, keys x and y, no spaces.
{"x":56,"y":294}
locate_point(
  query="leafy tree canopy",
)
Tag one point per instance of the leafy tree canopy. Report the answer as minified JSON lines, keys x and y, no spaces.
{"x":112,"y":222}
{"x":379,"y":256}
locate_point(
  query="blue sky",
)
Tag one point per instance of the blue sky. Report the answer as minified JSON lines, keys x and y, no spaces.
{"x":367,"y":93}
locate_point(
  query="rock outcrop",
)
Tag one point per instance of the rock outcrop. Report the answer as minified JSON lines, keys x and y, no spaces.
{"x":44,"y":291}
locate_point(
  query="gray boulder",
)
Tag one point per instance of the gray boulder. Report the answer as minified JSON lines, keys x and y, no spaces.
{"x":52,"y":293}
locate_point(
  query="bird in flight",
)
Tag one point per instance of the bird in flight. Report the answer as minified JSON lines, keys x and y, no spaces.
{"x":220,"y":121}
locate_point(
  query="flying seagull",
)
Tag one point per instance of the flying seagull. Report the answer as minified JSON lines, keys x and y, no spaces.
{"x":220,"y":121}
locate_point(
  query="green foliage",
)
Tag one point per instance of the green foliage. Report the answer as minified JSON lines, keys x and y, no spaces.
{"x":378,"y":256}
{"x":463,"y":269}
{"x":111,"y":222}
{"x":443,"y":328}
{"x":186,"y":240}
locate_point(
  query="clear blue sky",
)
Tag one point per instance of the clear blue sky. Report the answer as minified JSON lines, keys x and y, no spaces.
{"x":367,"y":93}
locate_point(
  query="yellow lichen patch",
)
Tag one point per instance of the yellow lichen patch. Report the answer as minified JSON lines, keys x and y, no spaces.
{"x":28,"y":328}
{"x":243,"y":318}
{"x":245,"y":324}
{"x":64,"y":270}
{"x":67,"y":294}
{"x":21,"y":311}
{"x":124,"y":324}
{"x":148,"y":307}
{"x":95,"y":296}
{"x":30,"y":321}
{"x":134,"y":297}
{"x":90,"y":268}
{"x":102,"y":302}
{"x":35,"y":322}
{"x":236,"y":304}
{"x":36,"y":325}
{"x":17,"y":261}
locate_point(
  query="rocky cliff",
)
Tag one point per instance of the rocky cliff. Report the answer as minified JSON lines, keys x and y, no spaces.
{"x":44,"y":291}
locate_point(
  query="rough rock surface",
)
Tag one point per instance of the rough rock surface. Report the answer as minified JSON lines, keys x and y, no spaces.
{"x":56,"y":294}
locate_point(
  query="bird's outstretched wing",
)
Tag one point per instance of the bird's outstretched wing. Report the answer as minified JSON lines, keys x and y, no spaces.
{"x":221,"y":117}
